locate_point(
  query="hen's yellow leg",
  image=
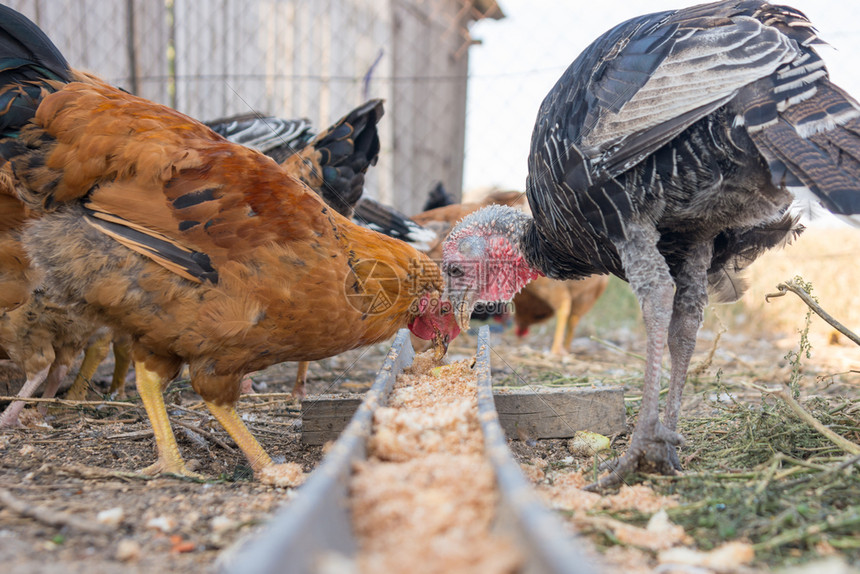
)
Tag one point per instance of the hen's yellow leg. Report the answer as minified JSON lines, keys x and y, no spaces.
{"x":122,"y":361}
{"x":561,"y":316}
{"x":93,"y":357}
{"x":169,"y":458}
{"x":264,"y":469}
{"x":572,"y":324}
{"x":301,"y":379}
{"x":229,"y":419}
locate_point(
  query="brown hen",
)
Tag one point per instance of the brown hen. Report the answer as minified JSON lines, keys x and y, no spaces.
{"x":205,"y":251}
{"x":567,"y":301}
{"x":332,"y":163}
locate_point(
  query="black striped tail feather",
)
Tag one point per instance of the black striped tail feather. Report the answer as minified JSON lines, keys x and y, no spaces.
{"x":815,"y":144}
{"x":790,"y":21}
{"x":278,"y":138}
{"x":389,"y":221}
{"x":735,"y":250}
{"x":347,"y":149}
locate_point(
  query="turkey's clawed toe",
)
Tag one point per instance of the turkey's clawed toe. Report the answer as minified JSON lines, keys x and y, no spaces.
{"x":649,"y":452}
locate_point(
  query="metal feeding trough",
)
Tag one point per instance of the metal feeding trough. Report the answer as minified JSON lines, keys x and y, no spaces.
{"x":313,"y":534}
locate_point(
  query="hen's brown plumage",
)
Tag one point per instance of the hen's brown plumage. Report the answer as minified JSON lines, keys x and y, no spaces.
{"x":206,"y":252}
{"x":40,"y":337}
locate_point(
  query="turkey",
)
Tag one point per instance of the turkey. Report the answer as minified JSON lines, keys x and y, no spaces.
{"x":669,"y":154}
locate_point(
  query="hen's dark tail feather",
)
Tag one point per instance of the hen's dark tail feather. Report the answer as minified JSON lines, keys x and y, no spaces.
{"x":276,"y":137}
{"x":816,"y":144}
{"x":335,"y":161}
{"x":437,"y":197}
{"x":384,"y":219}
{"x":29,"y":62}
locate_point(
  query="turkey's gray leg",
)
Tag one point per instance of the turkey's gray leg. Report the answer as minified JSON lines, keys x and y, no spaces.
{"x":9,"y":418}
{"x":52,"y":383}
{"x":649,"y":277}
{"x":691,"y":295}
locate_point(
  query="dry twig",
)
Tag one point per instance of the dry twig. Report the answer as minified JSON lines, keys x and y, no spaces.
{"x":70,"y":403}
{"x":96,"y":473}
{"x":812,"y":304}
{"x":50,"y":516}
{"x":205,"y":433}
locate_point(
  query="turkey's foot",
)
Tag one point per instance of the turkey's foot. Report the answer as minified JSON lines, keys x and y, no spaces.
{"x":651,"y":452}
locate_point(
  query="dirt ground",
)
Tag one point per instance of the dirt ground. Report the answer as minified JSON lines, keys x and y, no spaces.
{"x":80,"y":461}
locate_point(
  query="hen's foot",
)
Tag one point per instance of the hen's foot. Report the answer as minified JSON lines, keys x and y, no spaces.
{"x":651,"y":452}
{"x":301,"y":380}
{"x":171,"y":467}
{"x":283,"y":475}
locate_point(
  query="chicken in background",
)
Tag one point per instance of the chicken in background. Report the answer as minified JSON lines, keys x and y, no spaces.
{"x":204,"y":251}
{"x":438,"y":196}
{"x":95,"y":353}
{"x":332,"y":163}
{"x":541,"y":299}
{"x":39,"y":336}
{"x":567,"y":301}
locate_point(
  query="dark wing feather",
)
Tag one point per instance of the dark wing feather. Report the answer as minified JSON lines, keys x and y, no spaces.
{"x":29,"y":61}
{"x":385,"y":219}
{"x":276,"y":137}
{"x":680,"y":78}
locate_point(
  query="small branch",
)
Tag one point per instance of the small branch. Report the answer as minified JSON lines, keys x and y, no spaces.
{"x":812,"y":304}
{"x":828,"y":470}
{"x":267,"y":396}
{"x":846,"y":519}
{"x":131,"y":435}
{"x":49,"y":516}
{"x":616,"y":348}
{"x":71,"y":403}
{"x":204,"y":433}
{"x":96,"y":473}
{"x":704,"y":475}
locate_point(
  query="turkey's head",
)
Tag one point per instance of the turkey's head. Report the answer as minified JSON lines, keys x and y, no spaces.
{"x":482,"y":260}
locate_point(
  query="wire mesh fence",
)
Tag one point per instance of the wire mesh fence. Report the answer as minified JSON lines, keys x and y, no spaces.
{"x":292,"y":58}
{"x":456,"y":112}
